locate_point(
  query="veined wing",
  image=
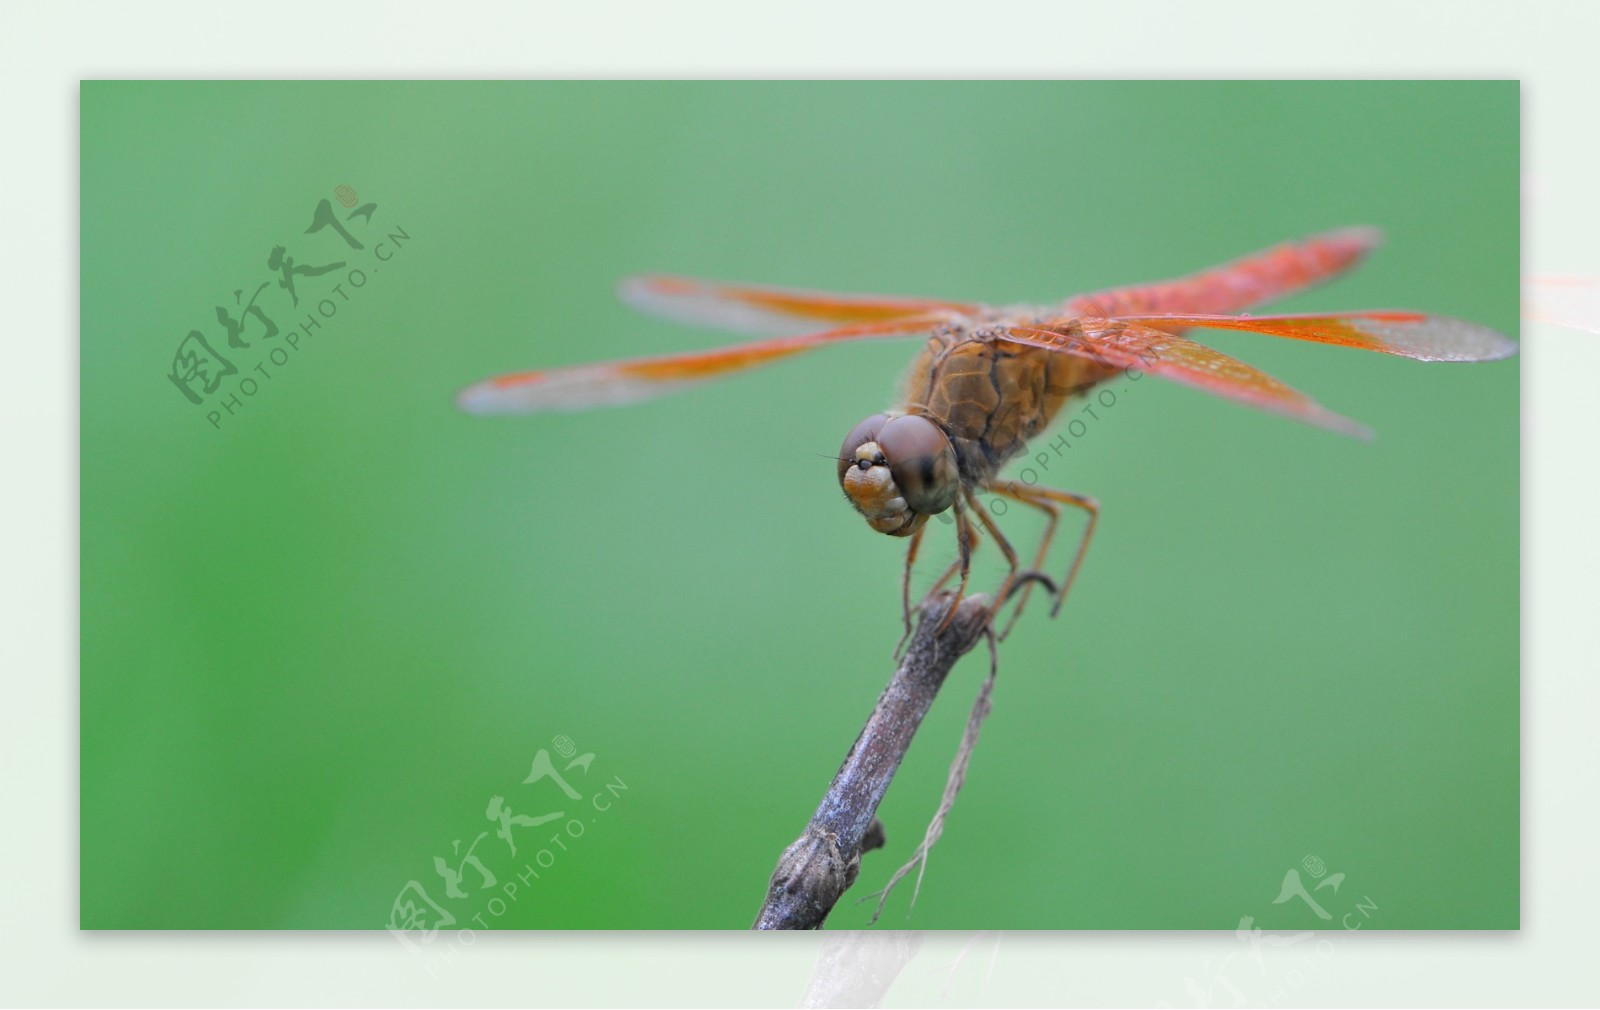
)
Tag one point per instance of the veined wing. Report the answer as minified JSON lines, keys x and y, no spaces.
{"x":1234,"y":287}
{"x":1144,"y":342}
{"x":749,"y":308}
{"x":1119,"y":343}
{"x":617,"y":382}
{"x":1408,"y":334}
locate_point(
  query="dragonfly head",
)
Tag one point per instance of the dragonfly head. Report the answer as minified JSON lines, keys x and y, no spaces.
{"x":897,"y":470}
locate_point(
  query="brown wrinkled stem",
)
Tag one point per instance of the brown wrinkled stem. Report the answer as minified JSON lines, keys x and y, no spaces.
{"x":823,"y":862}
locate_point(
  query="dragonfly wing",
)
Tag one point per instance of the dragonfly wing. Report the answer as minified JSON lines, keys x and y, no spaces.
{"x":1262,"y":277}
{"x":1121,"y":344}
{"x":1407,"y":334}
{"x":617,"y":382}
{"x":746,"y":308}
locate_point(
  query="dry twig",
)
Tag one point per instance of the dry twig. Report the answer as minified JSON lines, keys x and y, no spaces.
{"x":823,"y":862}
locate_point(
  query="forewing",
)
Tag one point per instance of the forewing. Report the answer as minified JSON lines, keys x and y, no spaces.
{"x":755,"y":309}
{"x":1408,"y":334}
{"x":617,"y":382}
{"x":1119,"y":343}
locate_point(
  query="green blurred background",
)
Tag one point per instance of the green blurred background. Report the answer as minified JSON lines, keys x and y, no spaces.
{"x":320,"y":635}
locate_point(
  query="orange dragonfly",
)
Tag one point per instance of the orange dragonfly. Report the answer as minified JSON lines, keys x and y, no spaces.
{"x":989,"y":379}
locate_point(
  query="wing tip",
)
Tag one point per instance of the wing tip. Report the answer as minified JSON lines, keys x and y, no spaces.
{"x":1355,"y":430}
{"x":649,"y":292}
{"x":1458,"y":340}
{"x":1327,"y":420}
{"x":504,"y":394}
{"x":1500,"y":347}
{"x":640,"y":287}
{"x":477,"y":399}
{"x":1366,"y":237}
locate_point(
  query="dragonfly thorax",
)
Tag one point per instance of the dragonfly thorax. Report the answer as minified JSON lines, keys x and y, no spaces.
{"x":897,"y":470}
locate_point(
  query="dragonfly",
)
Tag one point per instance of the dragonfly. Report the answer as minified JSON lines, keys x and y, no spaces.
{"x":988,"y":379}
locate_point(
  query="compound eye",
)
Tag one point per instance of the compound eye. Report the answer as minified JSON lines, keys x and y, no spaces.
{"x":923,"y":464}
{"x":861,"y":434}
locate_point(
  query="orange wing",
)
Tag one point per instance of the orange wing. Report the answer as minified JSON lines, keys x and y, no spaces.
{"x":1143,"y":342}
{"x":617,"y":382}
{"x":1121,"y":344}
{"x":1408,"y":334}
{"x":748,"y":308}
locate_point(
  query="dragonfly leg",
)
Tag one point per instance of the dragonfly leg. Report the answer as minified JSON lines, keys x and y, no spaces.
{"x":955,"y":566}
{"x":905,"y":585}
{"x":1052,"y":514}
{"x":905,"y":580}
{"x":1046,"y":499}
{"x":966,"y":540}
{"x":1000,"y":540}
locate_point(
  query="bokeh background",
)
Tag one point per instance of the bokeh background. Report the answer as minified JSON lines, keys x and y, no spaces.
{"x":321,"y":634}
